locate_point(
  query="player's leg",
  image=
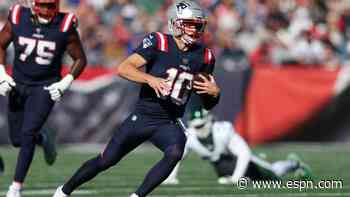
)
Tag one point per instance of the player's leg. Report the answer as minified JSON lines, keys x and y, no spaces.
{"x":172,"y":178}
{"x":261,"y":169}
{"x":130,"y":135}
{"x":224,"y":168}
{"x":303,"y":171}
{"x":37,"y":107}
{"x":171,"y":140}
{"x":2,"y":166}
{"x":47,"y":139}
{"x":16,"y":102}
{"x":284,"y":167}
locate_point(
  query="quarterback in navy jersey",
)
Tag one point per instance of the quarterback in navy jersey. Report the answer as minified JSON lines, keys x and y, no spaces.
{"x":40,"y":35}
{"x":170,"y":62}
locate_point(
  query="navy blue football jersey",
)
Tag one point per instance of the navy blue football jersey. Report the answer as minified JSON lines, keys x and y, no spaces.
{"x":39,"y":48}
{"x":166,"y":60}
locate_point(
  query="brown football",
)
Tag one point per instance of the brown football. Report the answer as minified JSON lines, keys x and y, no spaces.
{"x":196,"y":77}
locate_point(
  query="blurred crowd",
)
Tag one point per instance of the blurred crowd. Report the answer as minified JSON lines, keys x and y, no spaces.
{"x":243,"y":33}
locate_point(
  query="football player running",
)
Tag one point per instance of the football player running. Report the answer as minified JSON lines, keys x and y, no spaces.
{"x":229,"y":154}
{"x":40,"y":35}
{"x":170,"y":63}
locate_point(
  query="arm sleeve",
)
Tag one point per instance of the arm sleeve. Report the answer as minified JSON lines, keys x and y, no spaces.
{"x":148,"y":48}
{"x":194,"y":145}
{"x":239,"y":147}
{"x":75,"y":25}
{"x":14,"y":14}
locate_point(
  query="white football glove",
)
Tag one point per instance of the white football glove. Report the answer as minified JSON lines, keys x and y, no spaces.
{"x":57,"y":89}
{"x":6,"y":82}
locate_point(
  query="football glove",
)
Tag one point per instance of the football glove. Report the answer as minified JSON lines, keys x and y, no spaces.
{"x":6,"y":82}
{"x":57,"y":89}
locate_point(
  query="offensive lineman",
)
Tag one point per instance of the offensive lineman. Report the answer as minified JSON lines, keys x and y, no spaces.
{"x":40,"y":35}
{"x":229,"y":154}
{"x":171,"y":61}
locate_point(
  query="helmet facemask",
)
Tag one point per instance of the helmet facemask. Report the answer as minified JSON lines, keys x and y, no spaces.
{"x":187,"y":21}
{"x":190,"y":30}
{"x":45,"y":10}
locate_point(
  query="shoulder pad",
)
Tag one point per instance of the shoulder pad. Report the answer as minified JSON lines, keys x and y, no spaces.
{"x":15,"y":14}
{"x":69,"y":21}
{"x":208,"y":56}
{"x":222,"y":125}
{"x":162,"y":41}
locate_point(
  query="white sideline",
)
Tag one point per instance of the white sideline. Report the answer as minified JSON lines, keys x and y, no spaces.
{"x":260,"y":195}
{"x":44,"y":192}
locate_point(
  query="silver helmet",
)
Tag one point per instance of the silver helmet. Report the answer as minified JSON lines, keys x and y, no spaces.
{"x":186,"y":19}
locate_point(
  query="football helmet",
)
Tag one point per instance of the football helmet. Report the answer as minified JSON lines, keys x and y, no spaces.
{"x":186,"y":19}
{"x":201,"y":122}
{"x":45,"y":10}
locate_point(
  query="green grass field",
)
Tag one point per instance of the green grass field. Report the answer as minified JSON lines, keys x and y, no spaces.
{"x":328,"y":161}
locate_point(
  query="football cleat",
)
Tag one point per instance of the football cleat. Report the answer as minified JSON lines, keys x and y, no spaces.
{"x":59,"y":192}
{"x":49,"y":146}
{"x":171,"y":182}
{"x":13,"y":192}
{"x":303,"y":171}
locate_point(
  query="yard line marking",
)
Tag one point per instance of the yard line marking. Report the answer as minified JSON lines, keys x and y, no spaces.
{"x":258,"y":195}
{"x":44,"y":192}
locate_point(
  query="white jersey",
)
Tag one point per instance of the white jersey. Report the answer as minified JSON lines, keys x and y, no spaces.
{"x":221,"y":135}
{"x":224,"y":140}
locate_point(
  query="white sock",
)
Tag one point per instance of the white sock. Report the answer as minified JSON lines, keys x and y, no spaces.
{"x":61,"y":193}
{"x":283,"y":167}
{"x":134,"y":195}
{"x":16,"y":186}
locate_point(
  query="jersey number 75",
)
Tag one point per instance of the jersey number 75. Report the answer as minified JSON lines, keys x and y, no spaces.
{"x":44,"y":50}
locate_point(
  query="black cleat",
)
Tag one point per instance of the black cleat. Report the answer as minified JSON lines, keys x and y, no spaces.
{"x":49,"y":146}
{"x":2,"y":166}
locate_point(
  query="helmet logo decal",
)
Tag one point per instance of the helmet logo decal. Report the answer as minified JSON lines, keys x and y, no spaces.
{"x":182,"y":5}
{"x":147,"y":43}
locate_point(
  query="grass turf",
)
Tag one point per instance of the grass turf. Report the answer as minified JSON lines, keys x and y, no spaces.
{"x":328,"y":161}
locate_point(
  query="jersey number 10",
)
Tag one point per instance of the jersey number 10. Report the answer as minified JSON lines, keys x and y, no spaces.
{"x":181,"y":83}
{"x":44,"y":50}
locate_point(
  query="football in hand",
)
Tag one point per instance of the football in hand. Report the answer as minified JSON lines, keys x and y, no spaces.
{"x":197,"y":77}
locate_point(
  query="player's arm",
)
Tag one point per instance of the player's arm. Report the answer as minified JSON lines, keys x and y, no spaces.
{"x":208,"y":90}
{"x":130,"y":69}
{"x":195,"y":145}
{"x":5,"y":40}
{"x":239,"y":147}
{"x":76,"y":51}
{"x":6,"y":81}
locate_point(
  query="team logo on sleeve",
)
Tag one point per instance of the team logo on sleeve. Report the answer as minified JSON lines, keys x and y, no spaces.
{"x":147,"y":42}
